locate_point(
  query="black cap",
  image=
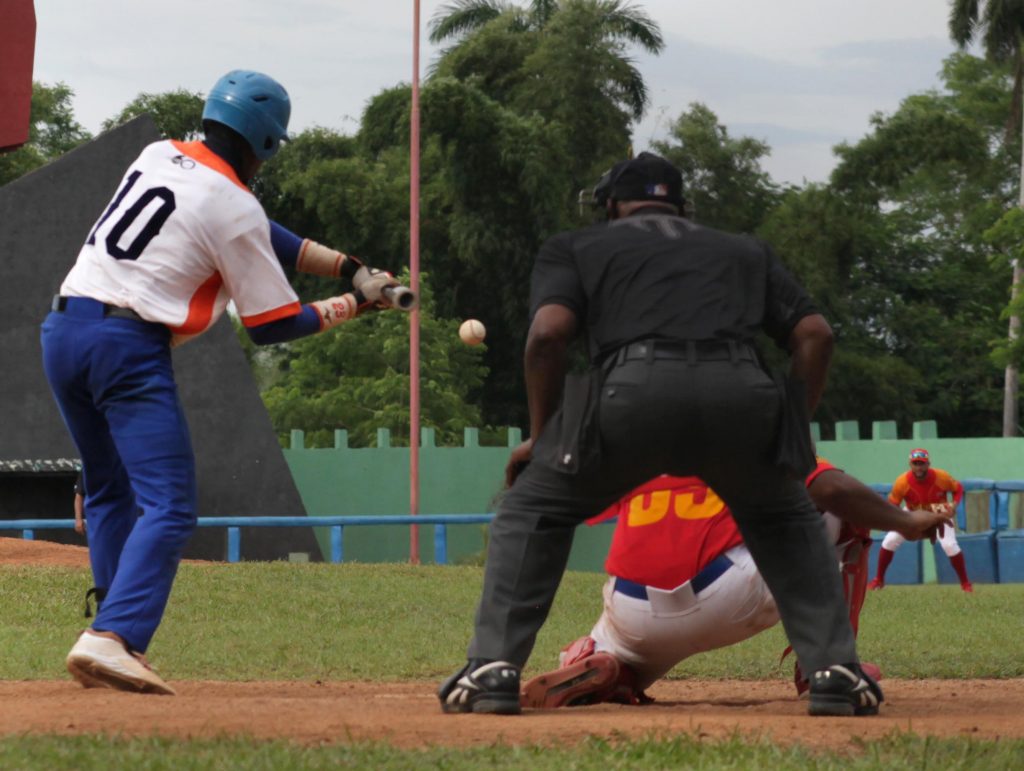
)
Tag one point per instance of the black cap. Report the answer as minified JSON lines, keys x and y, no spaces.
{"x":648,"y":177}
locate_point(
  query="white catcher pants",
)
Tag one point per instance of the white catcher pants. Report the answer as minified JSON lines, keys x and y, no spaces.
{"x":654,"y":635}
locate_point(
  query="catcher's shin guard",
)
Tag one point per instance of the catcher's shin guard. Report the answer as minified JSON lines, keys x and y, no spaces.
{"x":483,"y":687}
{"x":577,"y":650}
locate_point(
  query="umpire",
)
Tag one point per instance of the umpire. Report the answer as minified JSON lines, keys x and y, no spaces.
{"x":670,"y":310}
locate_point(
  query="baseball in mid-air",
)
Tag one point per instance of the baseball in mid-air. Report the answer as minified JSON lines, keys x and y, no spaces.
{"x":472,"y":332}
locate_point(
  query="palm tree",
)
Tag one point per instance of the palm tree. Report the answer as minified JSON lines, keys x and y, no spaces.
{"x":622,"y":23}
{"x":999,"y":26}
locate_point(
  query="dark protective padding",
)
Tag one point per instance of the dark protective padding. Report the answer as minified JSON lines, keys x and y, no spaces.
{"x":44,"y":218}
{"x":907,"y":566}
{"x":24,"y":495}
{"x":17,"y":50}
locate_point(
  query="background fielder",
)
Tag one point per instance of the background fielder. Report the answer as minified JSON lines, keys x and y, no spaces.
{"x":920,"y":488}
{"x":682,"y":582}
{"x":182,"y":236}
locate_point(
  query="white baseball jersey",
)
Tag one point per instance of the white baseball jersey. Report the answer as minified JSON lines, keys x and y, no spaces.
{"x":183,"y":236}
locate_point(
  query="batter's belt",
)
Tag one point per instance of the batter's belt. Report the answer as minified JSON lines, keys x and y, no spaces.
{"x":60,"y":305}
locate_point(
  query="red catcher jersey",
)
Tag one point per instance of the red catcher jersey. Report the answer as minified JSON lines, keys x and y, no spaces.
{"x":922,"y":494}
{"x":181,"y":238}
{"x":670,"y":528}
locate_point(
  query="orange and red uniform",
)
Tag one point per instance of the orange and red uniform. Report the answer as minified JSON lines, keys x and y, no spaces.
{"x":670,"y":528}
{"x":922,"y":493}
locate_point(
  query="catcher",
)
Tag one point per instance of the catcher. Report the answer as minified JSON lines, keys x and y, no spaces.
{"x":682,"y":582}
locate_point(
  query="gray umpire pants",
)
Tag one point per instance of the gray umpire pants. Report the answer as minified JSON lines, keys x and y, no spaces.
{"x":713,"y":419}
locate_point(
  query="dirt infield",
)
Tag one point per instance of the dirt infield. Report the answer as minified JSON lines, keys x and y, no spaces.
{"x":407,"y":715}
{"x":15,"y":551}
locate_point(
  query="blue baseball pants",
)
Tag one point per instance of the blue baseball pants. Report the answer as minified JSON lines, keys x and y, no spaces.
{"x":114,"y":385}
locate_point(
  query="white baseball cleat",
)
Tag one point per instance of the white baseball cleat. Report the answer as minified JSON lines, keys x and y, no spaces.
{"x":96,"y":661}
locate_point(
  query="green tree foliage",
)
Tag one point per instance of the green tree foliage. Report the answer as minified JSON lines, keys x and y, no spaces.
{"x":178,"y":114}
{"x":493,"y":188}
{"x":999,"y":24}
{"x":357,"y":377}
{"x":906,"y":249}
{"x":895,"y":250}
{"x":53,"y":131}
{"x":843,"y":254}
{"x":321,"y":186}
{"x":723,"y":181}
{"x":566,"y":60}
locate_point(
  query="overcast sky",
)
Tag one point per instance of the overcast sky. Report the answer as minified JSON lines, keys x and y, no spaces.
{"x":801,"y":75}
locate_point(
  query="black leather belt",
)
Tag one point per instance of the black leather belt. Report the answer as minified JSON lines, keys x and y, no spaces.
{"x":707,"y":576}
{"x":60,"y":304}
{"x":686,"y":350}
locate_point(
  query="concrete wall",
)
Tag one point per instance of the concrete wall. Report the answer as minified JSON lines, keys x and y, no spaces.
{"x":881,"y":460}
{"x":453,"y":480}
{"x":467,"y":479}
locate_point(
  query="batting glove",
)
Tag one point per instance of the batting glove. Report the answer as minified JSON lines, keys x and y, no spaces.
{"x":371,"y":282}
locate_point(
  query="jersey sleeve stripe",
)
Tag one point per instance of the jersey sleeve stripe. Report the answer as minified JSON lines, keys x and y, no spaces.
{"x":199,"y":152}
{"x":821,"y":468}
{"x":200,"y":307}
{"x":283,"y":312}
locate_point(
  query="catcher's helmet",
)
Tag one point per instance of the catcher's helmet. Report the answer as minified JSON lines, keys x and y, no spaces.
{"x":253,"y":104}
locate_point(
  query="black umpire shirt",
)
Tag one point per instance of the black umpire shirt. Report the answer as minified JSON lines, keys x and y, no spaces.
{"x":657,"y":275}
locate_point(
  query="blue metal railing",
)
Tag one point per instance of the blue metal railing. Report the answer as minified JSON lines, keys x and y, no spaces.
{"x":999,"y":516}
{"x":336,"y":525}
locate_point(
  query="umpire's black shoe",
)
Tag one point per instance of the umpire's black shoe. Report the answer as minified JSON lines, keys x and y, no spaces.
{"x":484,"y":687}
{"x":844,"y":691}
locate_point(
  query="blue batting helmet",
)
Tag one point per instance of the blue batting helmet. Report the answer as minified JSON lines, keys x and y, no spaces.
{"x":253,"y":104}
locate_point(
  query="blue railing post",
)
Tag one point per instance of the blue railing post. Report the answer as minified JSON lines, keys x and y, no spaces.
{"x":441,"y":544}
{"x":997,"y":503}
{"x":335,"y":524}
{"x":337,"y":550}
{"x":234,"y":544}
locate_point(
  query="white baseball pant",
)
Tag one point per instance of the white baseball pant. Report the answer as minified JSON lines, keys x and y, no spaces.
{"x":654,"y":635}
{"x":894,"y":540}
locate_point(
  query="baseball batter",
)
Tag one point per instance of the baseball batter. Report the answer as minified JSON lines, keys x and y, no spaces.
{"x":682,"y":582}
{"x":181,"y":237}
{"x":924,"y":487}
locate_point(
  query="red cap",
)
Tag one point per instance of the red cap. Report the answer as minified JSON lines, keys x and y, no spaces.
{"x":918,"y":455}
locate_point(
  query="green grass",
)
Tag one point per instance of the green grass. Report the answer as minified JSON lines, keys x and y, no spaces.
{"x":895,"y":752}
{"x":261,"y":621}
